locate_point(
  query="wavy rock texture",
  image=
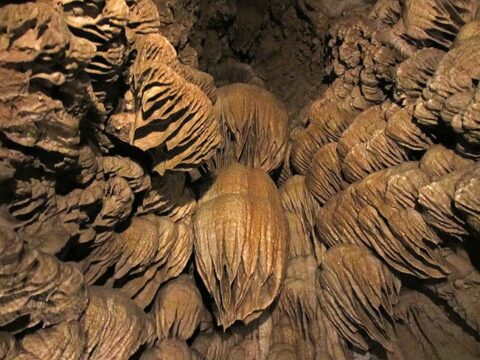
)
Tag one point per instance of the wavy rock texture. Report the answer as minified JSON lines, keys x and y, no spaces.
{"x":35,"y":39}
{"x":459,"y":291}
{"x":449,"y":98}
{"x":178,"y":309}
{"x":425,"y":329}
{"x":170,"y":349}
{"x":226,"y":180}
{"x":244,"y":249}
{"x":365,"y":70}
{"x":149,"y":252}
{"x":214,"y":345}
{"x":100,"y":25}
{"x":358,"y":293}
{"x":173,"y":118}
{"x":155,"y":47}
{"x":63,"y":341}
{"x":29,"y":277}
{"x":373,"y":212}
{"x":144,"y":19}
{"x":114,"y":326}
{"x":300,"y":208}
{"x":254,"y":126}
{"x":170,"y":196}
{"x":299,"y":321}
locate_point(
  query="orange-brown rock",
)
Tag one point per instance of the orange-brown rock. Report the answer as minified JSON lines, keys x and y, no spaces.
{"x":241,"y":241}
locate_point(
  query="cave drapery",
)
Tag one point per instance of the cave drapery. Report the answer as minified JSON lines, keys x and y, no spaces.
{"x":231,"y":180}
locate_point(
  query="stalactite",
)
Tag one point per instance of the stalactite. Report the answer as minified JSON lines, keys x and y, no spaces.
{"x":226,"y":180}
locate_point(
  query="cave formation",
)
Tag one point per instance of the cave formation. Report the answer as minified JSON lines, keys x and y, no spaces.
{"x":239,"y":180}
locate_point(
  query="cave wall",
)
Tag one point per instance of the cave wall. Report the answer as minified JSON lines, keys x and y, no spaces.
{"x":215,"y":180}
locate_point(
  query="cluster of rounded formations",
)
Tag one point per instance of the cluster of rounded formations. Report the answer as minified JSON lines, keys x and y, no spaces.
{"x":146,"y":214}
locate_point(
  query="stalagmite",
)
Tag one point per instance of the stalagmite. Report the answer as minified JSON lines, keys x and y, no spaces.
{"x":239,"y":180}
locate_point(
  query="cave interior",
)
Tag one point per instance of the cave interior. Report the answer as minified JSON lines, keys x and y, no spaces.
{"x":136,"y":137}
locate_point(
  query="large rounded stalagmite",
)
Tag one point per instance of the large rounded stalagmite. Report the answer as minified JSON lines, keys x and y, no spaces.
{"x":241,"y":239}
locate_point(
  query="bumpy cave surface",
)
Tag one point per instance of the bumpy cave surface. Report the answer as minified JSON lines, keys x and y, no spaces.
{"x":239,"y":180}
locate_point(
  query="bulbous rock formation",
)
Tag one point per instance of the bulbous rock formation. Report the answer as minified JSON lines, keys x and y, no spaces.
{"x":170,"y":113}
{"x":241,"y":240}
{"x":254,"y":127}
{"x":114,"y":326}
{"x":175,"y":319}
{"x":223,"y":180}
